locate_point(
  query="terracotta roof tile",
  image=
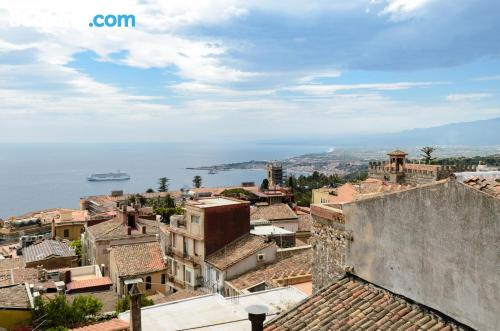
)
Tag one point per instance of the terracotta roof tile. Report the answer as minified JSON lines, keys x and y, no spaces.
{"x":353,"y":304}
{"x":88,"y":283}
{"x":111,"y":325}
{"x":138,"y":259}
{"x":14,"y":296}
{"x":236,"y":251}
{"x":272,"y":212}
{"x":116,"y":228}
{"x":293,"y":266}
{"x":489,"y":186}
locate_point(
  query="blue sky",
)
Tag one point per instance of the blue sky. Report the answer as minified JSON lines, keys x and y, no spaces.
{"x":231,"y":70}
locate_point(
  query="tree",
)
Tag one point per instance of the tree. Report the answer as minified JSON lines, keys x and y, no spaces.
{"x":141,"y":200}
{"x":197,"y":181}
{"x":291,"y":182}
{"x":163,"y":184}
{"x":265,"y":184}
{"x":58,"y":313}
{"x":150,"y":190}
{"x":124,"y":303}
{"x":77,"y":245}
{"x":427,"y":154}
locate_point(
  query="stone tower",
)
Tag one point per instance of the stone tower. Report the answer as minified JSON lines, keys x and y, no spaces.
{"x":275,"y":174}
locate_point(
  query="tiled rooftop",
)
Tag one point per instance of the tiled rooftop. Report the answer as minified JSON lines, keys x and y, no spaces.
{"x":276,"y":211}
{"x":7,"y":264}
{"x":236,"y":251}
{"x":115,"y":228}
{"x":46,"y":249}
{"x":138,"y":259}
{"x":111,"y":325}
{"x":489,"y":186}
{"x":295,"y":265}
{"x":14,"y":296}
{"x":353,"y":304}
{"x":88,"y":283}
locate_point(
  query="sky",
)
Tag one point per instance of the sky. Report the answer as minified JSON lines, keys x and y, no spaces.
{"x":231,"y":70}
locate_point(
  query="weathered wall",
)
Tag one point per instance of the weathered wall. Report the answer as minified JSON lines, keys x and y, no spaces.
{"x":438,"y":245}
{"x":224,"y":224}
{"x":328,"y":239}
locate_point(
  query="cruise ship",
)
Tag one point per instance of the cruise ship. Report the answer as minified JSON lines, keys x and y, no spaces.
{"x":108,"y":176}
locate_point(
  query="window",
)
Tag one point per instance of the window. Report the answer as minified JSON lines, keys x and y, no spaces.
{"x":148,"y":282}
{"x":173,"y":240}
{"x":163,"y":278}
{"x":187,"y":278}
{"x":66,"y":233}
{"x":195,"y":219}
{"x":82,"y":230}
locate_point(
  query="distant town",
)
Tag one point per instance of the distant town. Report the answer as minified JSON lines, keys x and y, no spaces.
{"x":407,"y":242}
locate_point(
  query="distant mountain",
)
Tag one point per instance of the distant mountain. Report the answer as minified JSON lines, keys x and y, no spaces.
{"x":477,"y":133}
{"x":484,"y":132}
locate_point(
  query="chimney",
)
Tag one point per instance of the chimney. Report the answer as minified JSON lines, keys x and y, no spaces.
{"x":129,"y":230}
{"x":257,"y":316}
{"x":67,"y":276}
{"x":135,"y":308}
{"x":123,"y":214}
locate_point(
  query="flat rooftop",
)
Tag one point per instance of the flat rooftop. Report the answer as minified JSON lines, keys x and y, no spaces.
{"x":213,"y":202}
{"x":269,"y":230}
{"x":207,"y":312}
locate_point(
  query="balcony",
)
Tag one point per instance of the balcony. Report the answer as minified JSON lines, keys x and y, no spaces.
{"x":185,"y":256}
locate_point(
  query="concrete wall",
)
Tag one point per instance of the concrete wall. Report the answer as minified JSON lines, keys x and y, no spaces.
{"x":438,"y":245}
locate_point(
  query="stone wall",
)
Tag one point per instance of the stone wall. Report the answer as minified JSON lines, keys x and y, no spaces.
{"x":328,"y":239}
{"x":438,"y":245}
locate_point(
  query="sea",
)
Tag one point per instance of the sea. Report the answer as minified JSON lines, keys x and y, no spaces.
{"x":42,"y":176}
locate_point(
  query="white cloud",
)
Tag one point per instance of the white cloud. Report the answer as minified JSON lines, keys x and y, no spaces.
{"x":465,"y":97}
{"x":331,"y":89}
{"x":402,"y":9}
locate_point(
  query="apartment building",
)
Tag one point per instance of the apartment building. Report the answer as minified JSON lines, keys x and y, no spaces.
{"x":207,"y":226}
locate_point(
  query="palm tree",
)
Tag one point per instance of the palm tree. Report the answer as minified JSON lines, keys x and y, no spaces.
{"x":197,"y":181}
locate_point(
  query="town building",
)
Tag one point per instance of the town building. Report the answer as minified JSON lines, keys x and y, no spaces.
{"x":138,"y":263}
{"x":424,"y":253}
{"x":241,"y":255}
{"x":349,"y":191}
{"x":207,"y":225}
{"x":292,"y":267}
{"x":68,"y":224}
{"x":50,"y":254}
{"x":215,"y":312}
{"x":15,"y":306}
{"x":126,"y":228}
{"x":400,"y":170}
{"x":278,"y":214}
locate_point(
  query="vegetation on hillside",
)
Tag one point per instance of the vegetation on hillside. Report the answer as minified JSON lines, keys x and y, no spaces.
{"x":490,"y":160}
